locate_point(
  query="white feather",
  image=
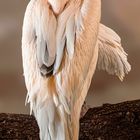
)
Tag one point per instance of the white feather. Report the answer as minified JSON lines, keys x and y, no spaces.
{"x":112,"y":56}
{"x":70,"y":35}
{"x":61,"y":33}
{"x":45,"y":28}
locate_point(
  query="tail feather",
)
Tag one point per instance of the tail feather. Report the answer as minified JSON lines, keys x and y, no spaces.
{"x":54,"y":122}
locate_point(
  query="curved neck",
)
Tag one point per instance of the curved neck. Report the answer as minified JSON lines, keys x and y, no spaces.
{"x":58,"y":5}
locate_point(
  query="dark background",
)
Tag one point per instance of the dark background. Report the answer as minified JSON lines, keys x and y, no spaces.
{"x":122,"y":16}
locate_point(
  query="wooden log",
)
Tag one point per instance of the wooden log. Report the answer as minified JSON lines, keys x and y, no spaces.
{"x":109,"y":122}
{"x":18,"y":127}
{"x":112,"y":122}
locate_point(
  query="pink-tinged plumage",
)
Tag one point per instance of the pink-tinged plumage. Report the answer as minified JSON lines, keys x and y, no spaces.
{"x":60,"y":45}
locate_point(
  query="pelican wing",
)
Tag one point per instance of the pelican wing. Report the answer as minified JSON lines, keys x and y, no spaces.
{"x":38,"y":45}
{"x":112,"y":57}
{"x":45,"y":28}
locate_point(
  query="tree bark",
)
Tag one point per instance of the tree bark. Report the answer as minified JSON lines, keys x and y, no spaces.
{"x":109,"y":122}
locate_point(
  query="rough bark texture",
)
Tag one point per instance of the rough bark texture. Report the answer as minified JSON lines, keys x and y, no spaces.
{"x":112,"y":122}
{"x":18,"y":127}
{"x":109,"y":122}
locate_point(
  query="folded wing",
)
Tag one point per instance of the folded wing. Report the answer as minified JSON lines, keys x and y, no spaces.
{"x":45,"y":28}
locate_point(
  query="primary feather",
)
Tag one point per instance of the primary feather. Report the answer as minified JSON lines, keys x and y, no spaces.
{"x":112,"y":57}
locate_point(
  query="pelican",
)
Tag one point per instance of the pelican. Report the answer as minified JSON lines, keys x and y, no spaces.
{"x":63,"y":42}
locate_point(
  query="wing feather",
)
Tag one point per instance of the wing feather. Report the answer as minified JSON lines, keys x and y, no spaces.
{"x":45,"y":27}
{"x":30,"y":65}
{"x":62,"y":37}
{"x":112,"y":57}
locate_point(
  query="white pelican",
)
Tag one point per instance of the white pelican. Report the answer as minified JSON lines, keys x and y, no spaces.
{"x":62,"y":42}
